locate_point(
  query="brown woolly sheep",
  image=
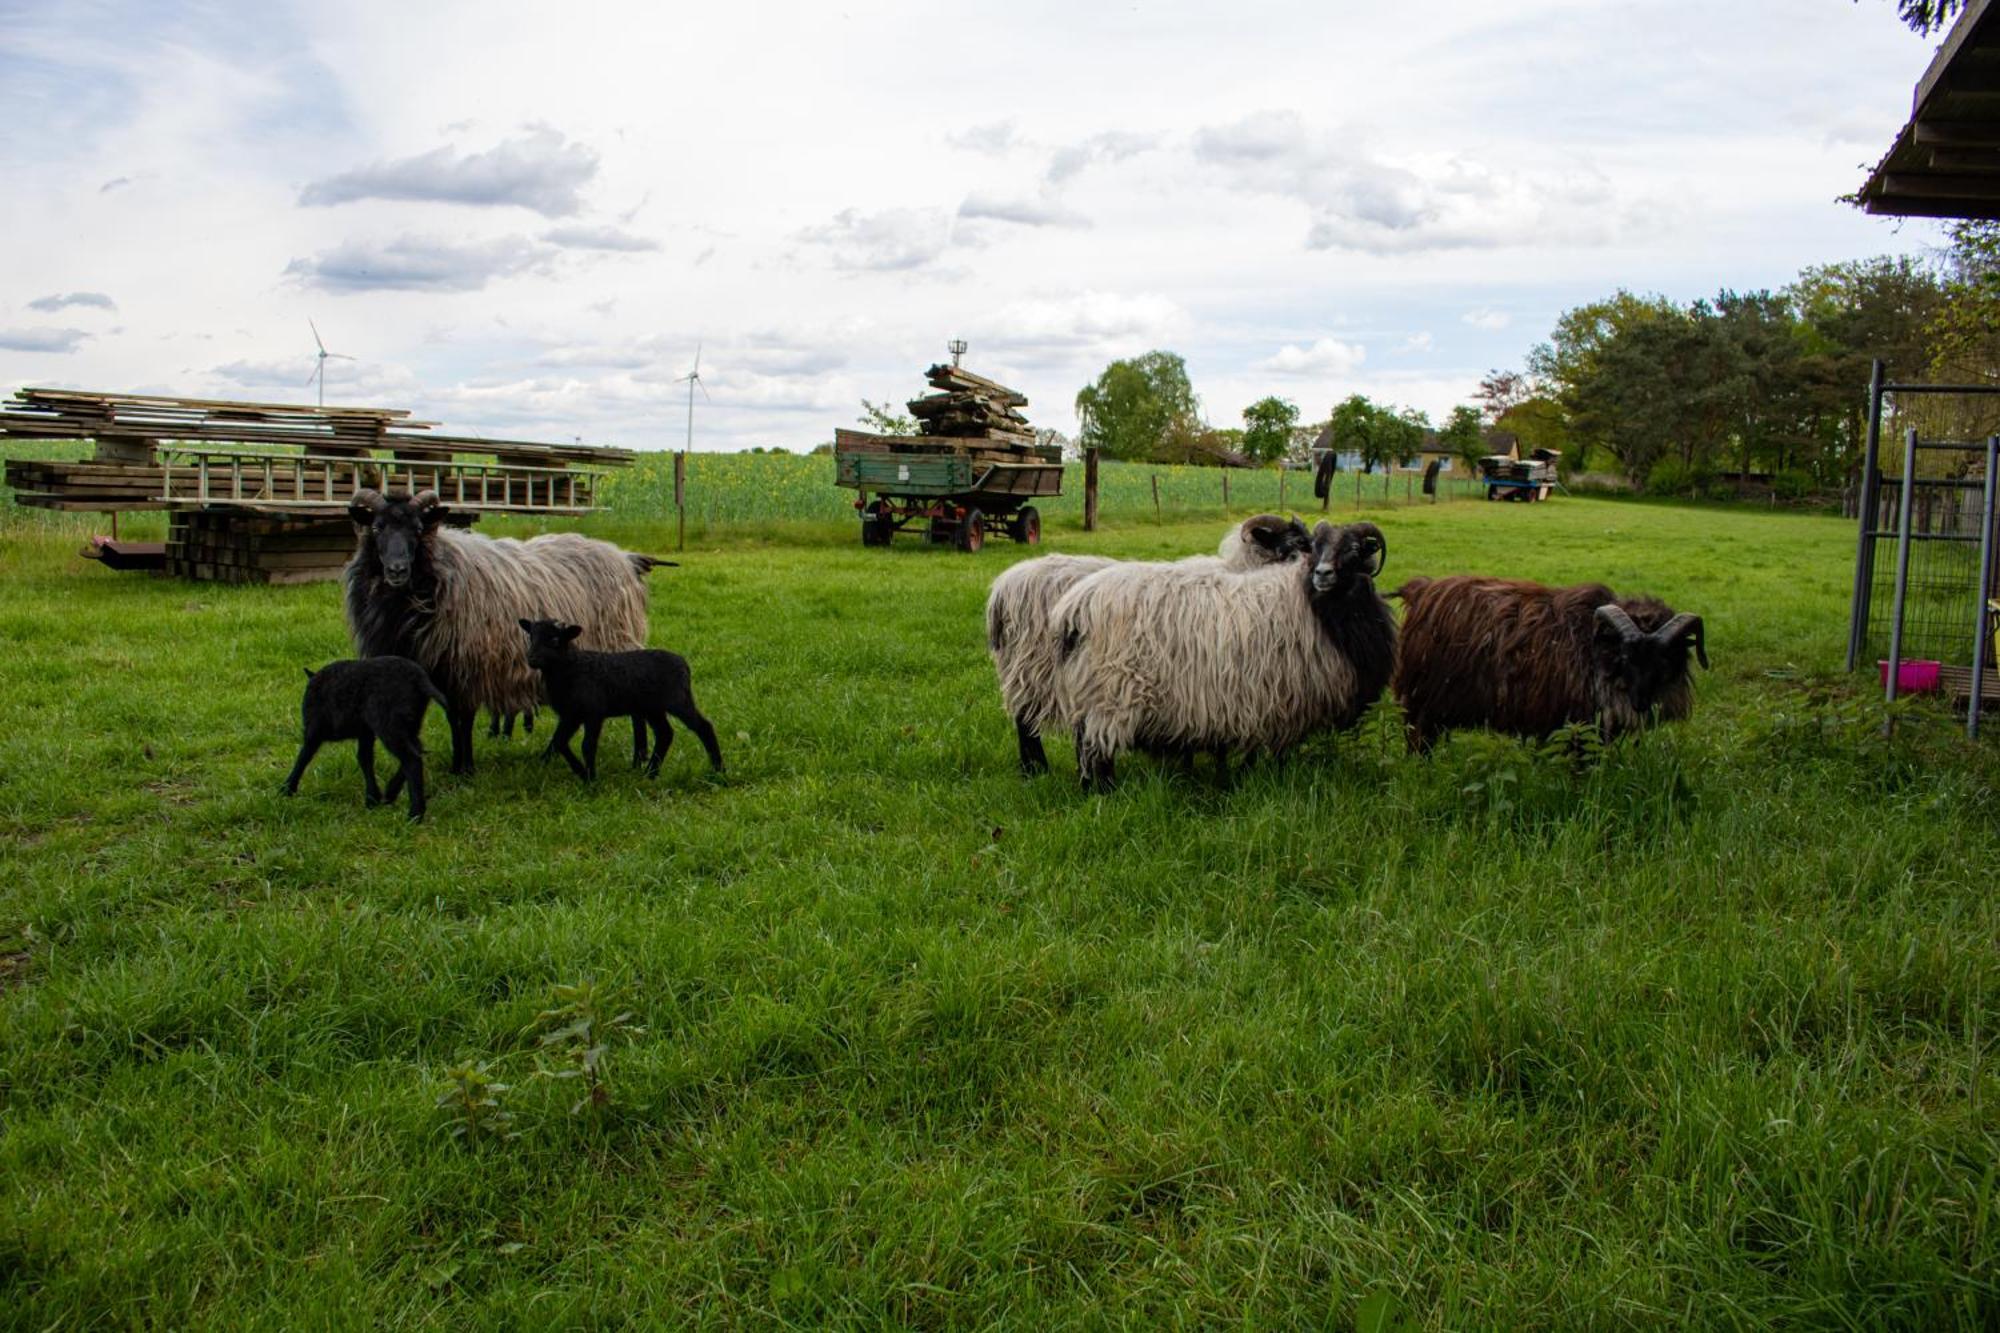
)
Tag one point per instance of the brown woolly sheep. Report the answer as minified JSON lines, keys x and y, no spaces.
{"x":1527,"y":659}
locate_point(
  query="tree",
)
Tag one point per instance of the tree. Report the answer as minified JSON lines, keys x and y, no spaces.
{"x":1463,"y":437}
{"x":1136,"y":405}
{"x":1499,"y":392}
{"x":1354,"y":428}
{"x":881,"y":418}
{"x":1267,"y":428}
{"x":1928,"y":16}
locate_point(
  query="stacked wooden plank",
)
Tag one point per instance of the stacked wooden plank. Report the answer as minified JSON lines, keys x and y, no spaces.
{"x":971,"y":406}
{"x":981,"y":449}
{"x":237,"y":548}
{"x":259,"y":491}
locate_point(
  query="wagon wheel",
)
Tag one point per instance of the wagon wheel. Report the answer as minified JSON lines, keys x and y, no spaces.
{"x":876,"y":525}
{"x":972,"y":531}
{"x":1027,"y":526}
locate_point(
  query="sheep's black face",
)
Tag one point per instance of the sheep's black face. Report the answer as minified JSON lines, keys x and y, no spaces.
{"x":1344,"y":557}
{"x":1280,"y":540}
{"x":548,"y":642}
{"x":396,"y":527}
{"x":1640,"y":667}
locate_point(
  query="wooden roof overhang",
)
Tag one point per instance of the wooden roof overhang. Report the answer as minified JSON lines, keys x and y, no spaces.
{"x":1946,"y":162}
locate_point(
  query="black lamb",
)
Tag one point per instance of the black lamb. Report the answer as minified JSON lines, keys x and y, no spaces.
{"x":585,"y":687}
{"x":365,"y":700}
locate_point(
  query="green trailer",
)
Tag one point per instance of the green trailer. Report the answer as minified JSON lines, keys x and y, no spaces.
{"x":959,"y":490}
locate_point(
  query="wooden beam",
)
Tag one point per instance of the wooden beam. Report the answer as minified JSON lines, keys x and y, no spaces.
{"x":1903,"y":206}
{"x":1980,"y":160}
{"x":1956,"y":133}
{"x":1940,"y":185}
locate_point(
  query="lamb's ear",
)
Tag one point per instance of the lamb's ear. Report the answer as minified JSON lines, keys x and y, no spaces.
{"x":526,"y":627}
{"x":367,"y":503}
{"x":570,"y":632}
{"x":309,"y":672}
{"x":429,"y":508}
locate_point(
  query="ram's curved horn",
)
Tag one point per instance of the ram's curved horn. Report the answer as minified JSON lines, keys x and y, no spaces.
{"x":1686,"y":625}
{"x":1614,"y":615}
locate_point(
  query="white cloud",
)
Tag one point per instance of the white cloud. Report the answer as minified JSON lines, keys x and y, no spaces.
{"x":1110,"y":146}
{"x":1360,"y":201}
{"x":416,"y":263}
{"x":41,"y":340}
{"x":1416,"y":343}
{"x":895,"y":238}
{"x":577,"y":236}
{"x":539,"y":170}
{"x":62,"y":301}
{"x":1492,"y":321}
{"x":993,"y":138}
{"x":1041,"y":211}
{"x":1324,"y":357}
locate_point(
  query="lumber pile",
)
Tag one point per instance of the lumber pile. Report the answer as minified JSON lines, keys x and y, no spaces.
{"x":969,"y":406}
{"x":233,"y":548}
{"x":979,"y":449}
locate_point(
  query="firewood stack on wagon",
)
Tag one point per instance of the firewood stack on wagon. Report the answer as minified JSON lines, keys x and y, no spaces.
{"x":973,"y":465}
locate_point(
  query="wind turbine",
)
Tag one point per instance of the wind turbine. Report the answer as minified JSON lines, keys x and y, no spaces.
{"x":693,"y":377}
{"x":319,"y":366}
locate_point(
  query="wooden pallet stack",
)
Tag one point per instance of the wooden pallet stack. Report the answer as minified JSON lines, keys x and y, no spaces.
{"x":234,"y":548}
{"x":971,"y":406}
{"x":259,"y":491}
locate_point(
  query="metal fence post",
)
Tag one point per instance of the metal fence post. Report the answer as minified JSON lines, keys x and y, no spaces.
{"x":1981,"y":591}
{"x":1902,"y":562}
{"x":1864,"y":555}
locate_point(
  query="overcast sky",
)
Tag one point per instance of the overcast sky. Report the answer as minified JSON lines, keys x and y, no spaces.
{"x":521,"y":218}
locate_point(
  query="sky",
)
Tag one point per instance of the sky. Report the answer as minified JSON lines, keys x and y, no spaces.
{"x":523,"y":220}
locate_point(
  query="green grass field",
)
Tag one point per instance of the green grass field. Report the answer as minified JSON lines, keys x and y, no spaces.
{"x":1694,"y":1036}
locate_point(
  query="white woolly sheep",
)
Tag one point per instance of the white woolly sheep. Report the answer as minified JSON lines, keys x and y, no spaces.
{"x":1019,"y":605}
{"x":1189,"y":656}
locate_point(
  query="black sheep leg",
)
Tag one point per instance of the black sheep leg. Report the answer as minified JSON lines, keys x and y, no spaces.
{"x":306,"y":752}
{"x":663,"y":739}
{"x":1034,"y":759}
{"x":462,"y":718}
{"x":691,"y":718}
{"x":559,"y":744}
{"x":364,"y":751}
{"x":639,"y":741}
{"x":591,"y":731}
{"x":410,"y":766}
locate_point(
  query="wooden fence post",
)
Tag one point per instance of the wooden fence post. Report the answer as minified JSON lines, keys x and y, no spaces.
{"x":680,"y":496}
{"x":1225,"y":489}
{"x":1156,"y":498}
{"x":1090,"y":490}
{"x":1281,"y":488}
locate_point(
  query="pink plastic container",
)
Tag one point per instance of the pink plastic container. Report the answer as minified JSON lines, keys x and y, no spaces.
{"x":1911,"y":677}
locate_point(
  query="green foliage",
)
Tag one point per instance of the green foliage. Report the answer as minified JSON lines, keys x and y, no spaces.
{"x":1139,"y":409}
{"x":1380,"y":433}
{"x":885,"y":420}
{"x":574,"y":1037}
{"x":472,"y":1096}
{"x":1464,"y":436}
{"x":1268,"y":424}
{"x":1925,"y":17}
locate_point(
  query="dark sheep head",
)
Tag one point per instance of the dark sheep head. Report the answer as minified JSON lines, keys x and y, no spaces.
{"x":396,"y":527}
{"x":1640,"y":666}
{"x":1281,"y":539}
{"x":1343,"y":558}
{"x":548,"y":642}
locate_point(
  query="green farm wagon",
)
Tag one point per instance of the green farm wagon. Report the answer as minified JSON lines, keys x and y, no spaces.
{"x":959,"y":490}
{"x":974,"y":469}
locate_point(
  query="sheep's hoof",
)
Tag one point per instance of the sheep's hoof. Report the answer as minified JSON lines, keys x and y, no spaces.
{"x":371,"y":801}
